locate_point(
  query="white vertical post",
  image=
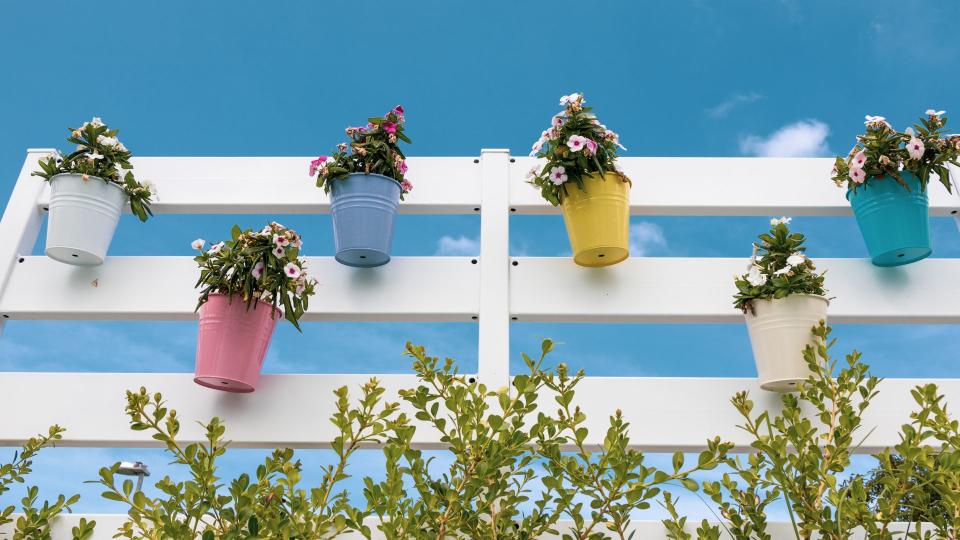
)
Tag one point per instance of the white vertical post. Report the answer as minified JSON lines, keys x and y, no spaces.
{"x":21,"y":221}
{"x":494,"y":316}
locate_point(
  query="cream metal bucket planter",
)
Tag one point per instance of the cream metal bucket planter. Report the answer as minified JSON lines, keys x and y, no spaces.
{"x":779,"y":331}
{"x":83,"y":218}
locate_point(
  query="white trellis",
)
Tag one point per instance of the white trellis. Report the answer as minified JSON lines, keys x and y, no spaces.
{"x":492,"y":289}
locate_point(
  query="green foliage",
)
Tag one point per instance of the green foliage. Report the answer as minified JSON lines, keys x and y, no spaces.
{"x":882,"y":153}
{"x":100,"y":155}
{"x":257,"y":266}
{"x":497,"y":439}
{"x":35,"y":521}
{"x":374,"y":149}
{"x":576,"y":146}
{"x":778,"y":268}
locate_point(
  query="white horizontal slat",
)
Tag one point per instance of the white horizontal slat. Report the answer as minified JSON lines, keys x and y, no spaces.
{"x":263,"y":185}
{"x":107,"y":524}
{"x":700,"y":290}
{"x":161,"y":288}
{"x":715,"y":186}
{"x":660,"y":422}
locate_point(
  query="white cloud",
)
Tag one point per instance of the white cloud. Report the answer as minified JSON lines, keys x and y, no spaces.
{"x":723,"y":109}
{"x":644,"y":236}
{"x":807,"y":138}
{"x":461,"y":245}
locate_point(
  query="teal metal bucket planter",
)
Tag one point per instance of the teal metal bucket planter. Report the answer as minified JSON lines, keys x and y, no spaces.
{"x":363,"y":207}
{"x":893,"y":221}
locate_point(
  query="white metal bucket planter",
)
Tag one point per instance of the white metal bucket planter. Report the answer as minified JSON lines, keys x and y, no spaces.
{"x":83,"y":218}
{"x":779,"y":331}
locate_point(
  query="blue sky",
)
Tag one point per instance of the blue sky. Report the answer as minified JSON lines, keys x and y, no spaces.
{"x":682,"y":78}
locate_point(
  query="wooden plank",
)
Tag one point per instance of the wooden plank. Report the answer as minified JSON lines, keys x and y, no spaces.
{"x":724,"y":186}
{"x":439,"y":289}
{"x":91,"y":407}
{"x":281,"y":185}
{"x":700,"y":290}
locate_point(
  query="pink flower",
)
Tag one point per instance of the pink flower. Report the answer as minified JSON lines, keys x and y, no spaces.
{"x":316,"y":164}
{"x":859,"y":160}
{"x":389,"y":127}
{"x":576,"y":143}
{"x":558,"y":175}
{"x":403,"y":167}
{"x":915,"y":148}
{"x":857,"y":175}
{"x":398,"y":110}
{"x":291,"y":270}
{"x":215,"y":248}
{"x":280,"y":240}
{"x":279,"y":252}
{"x":557,"y":121}
{"x":591,"y":146}
{"x":198,"y":243}
{"x":257,"y":270}
{"x":406,"y":186}
{"x":536,"y":147}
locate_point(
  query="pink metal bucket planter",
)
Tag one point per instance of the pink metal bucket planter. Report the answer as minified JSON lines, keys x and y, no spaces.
{"x":233,"y":342}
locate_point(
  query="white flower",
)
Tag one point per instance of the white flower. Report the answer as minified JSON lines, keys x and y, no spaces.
{"x":280,"y":240}
{"x":198,"y":243}
{"x":756,"y":277}
{"x":215,"y":248}
{"x":870,"y":120}
{"x":279,"y":252}
{"x":558,"y":175}
{"x":266,"y":296}
{"x":257,"y":270}
{"x":266,"y":231}
{"x":536,"y":147}
{"x":301,"y":284}
{"x":93,"y":156}
{"x":572,"y":98}
{"x":859,"y":160}
{"x":291,"y":270}
{"x":857,"y":175}
{"x":785,"y":270}
{"x":909,"y":131}
{"x":107,"y":141}
{"x":576,"y":143}
{"x":915,"y":148}
{"x":533,"y":172}
{"x":784,"y":220}
{"x":557,"y":120}
{"x":796,"y":259}
{"x":931,"y":112}
{"x":96,"y":122}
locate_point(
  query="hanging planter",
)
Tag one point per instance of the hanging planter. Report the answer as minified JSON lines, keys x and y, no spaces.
{"x":365,"y":187}
{"x":88,"y":190}
{"x":782,"y":299}
{"x":244,"y":282}
{"x":893,"y":220}
{"x":598,"y":220}
{"x":780,"y":329}
{"x":363,"y":208}
{"x":82,"y":219}
{"x":232,"y":342}
{"x":886,"y":175}
{"x":582,"y":177}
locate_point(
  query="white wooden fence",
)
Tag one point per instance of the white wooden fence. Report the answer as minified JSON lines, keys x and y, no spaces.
{"x":492,"y":289}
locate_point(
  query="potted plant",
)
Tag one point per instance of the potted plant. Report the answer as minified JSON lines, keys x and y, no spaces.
{"x":365,"y":186}
{"x":88,"y":189}
{"x":886,"y":175}
{"x":243,"y":284}
{"x":782,"y":298}
{"x":581,"y":175}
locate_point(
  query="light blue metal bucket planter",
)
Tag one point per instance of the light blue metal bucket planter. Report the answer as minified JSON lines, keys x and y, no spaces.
{"x":893,"y":221}
{"x":363,"y":207}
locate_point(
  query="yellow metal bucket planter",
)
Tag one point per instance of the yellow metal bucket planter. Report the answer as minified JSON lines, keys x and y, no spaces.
{"x":598,"y":220}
